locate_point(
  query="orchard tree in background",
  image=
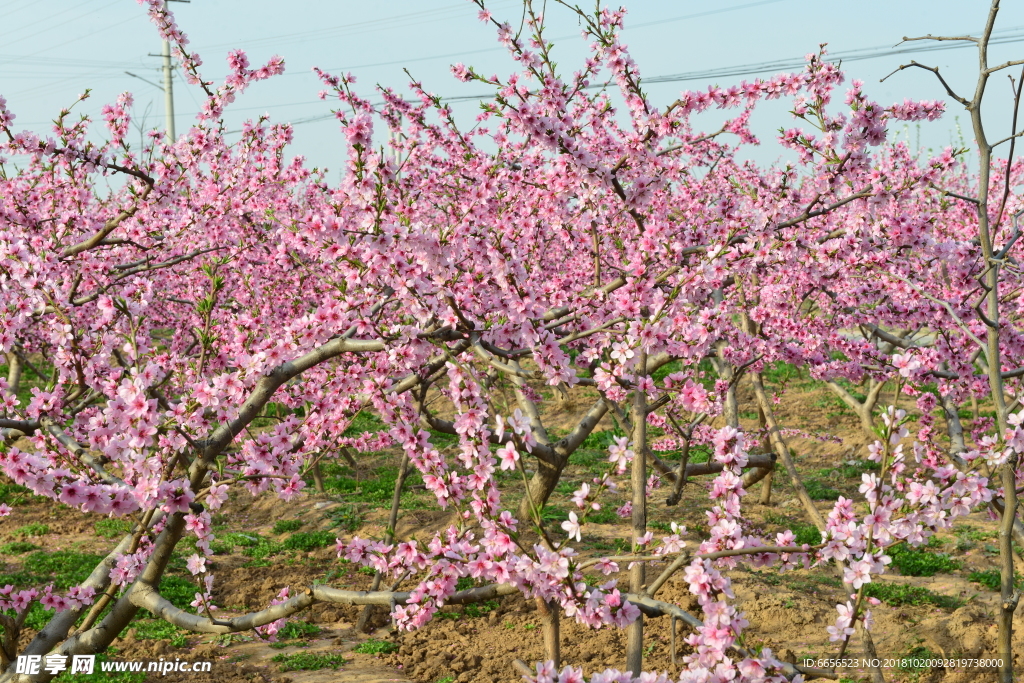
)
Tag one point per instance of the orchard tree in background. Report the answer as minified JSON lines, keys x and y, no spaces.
{"x":577,"y":237}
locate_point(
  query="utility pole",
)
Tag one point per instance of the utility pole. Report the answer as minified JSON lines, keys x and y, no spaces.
{"x":169,"y":84}
{"x":169,"y":92}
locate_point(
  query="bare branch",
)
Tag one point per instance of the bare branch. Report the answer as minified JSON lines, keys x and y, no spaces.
{"x":940,"y":38}
{"x":934,"y":70}
{"x":1005,"y":65}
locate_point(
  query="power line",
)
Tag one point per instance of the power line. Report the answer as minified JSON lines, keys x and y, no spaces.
{"x":408,"y":19}
{"x":627,"y":28}
{"x":761,"y":67}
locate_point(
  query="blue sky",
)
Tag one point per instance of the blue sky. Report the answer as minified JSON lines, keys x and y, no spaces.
{"x":51,"y":50}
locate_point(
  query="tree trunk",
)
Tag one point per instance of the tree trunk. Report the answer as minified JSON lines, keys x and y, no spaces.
{"x":389,"y":537}
{"x":13,"y":371}
{"x":637,"y":575}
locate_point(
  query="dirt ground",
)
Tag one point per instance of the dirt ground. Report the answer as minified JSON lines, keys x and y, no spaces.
{"x":787,"y":613}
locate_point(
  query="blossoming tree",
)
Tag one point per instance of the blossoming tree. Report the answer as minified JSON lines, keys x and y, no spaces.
{"x":577,"y":238}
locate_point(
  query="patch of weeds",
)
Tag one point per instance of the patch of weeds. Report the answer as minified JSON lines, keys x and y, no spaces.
{"x":605,"y":515}
{"x":464,"y":584}
{"x":852,"y":469}
{"x":154,"y":629}
{"x":309,"y":540}
{"x":64,"y":567}
{"x":263,"y":549}
{"x":566,"y":487}
{"x":243,"y":656}
{"x":529,"y":627}
{"x":479,"y":609}
{"x":600,"y":441}
{"x":446,"y":679}
{"x":378,"y":489}
{"x":780,"y":372}
{"x":374,"y":646}
{"x":34,"y":529}
{"x":179,"y":591}
{"x":991,"y":579}
{"x":112,"y":528}
{"x":285,"y":526}
{"x":806,"y":533}
{"x":661,"y":526}
{"x":363,"y":422}
{"x":367,"y":571}
{"x":299,"y":629}
{"x":218,"y":548}
{"x":551,"y":514}
{"x":699,"y":454}
{"x":308,"y":661}
{"x":819,"y":491}
{"x":17,"y":547}
{"x":14,"y":495}
{"x":38,"y":617}
{"x":666,"y":370}
{"x":582,"y":457}
{"x":919,"y":562}
{"x":775,"y":518}
{"x":226,"y":639}
{"x":896,"y":594}
{"x":244,"y":540}
{"x":768,"y":578}
{"x":972,"y":534}
{"x":345,"y":517}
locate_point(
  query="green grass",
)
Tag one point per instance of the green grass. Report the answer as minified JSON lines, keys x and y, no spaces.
{"x":112,"y":528}
{"x":780,"y":373}
{"x":990,"y":579}
{"x":819,"y":491}
{"x":479,"y":609}
{"x":14,"y":495}
{"x":553,"y":515}
{"x":345,"y":517}
{"x":377,"y":489}
{"x":849,"y":471}
{"x":298,"y":629}
{"x":898,"y":594}
{"x":261,"y":548}
{"x":446,"y":679}
{"x":34,"y":529}
{"x":244,"y":540}
{"x":374,"y":646}
{"x":284,"y":526}
{"x":308,"y":661}
{"x":605,"y":515}
{"x":179,"y":591}
{"x":919,"y":562}
{"x":310,"y":540}
{"x":806,"y":533}
{"x":17,"y":547}
{"x":364,"y":422}
{"x":65,"y":568}
{"x":158,"y":629}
